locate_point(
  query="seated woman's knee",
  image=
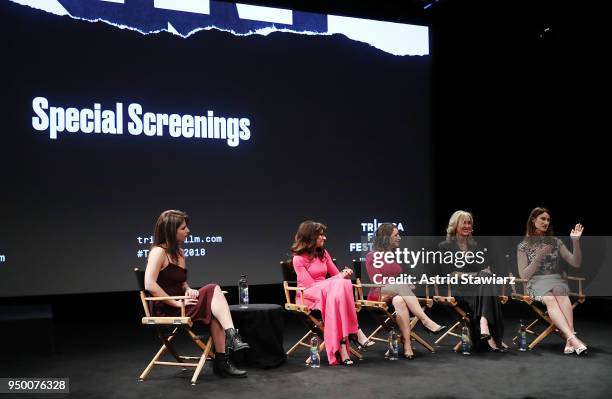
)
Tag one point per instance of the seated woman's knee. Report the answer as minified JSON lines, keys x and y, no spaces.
{"x":398,"y":303}
{"x":559,"y":291}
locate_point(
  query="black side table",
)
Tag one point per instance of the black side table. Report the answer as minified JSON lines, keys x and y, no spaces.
{"x":262,"y":326}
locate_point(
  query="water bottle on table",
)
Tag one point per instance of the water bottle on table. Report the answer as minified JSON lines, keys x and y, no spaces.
{"x":243,"y":292}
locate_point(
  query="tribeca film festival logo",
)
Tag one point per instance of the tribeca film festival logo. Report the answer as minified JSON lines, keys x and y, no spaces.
{"x":111,"y":121}
{"x":369,"y":228}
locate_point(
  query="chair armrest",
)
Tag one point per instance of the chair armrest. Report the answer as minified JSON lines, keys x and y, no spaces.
{"x":580,"y":280}
{"x":165,"y":298}
{"x":367,"y":285}
{"x":524,"y":282}
{"x":301,"y":289}
{"x":445,"y":300}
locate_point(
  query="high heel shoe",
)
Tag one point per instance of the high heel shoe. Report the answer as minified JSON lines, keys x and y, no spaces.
{"x":347,"y":361}
{"x":581,"y":350}
{"x":436,"y":331}
{"x":361,"y":347}
{"x":569,"y":349}
{"x":485,"y":337}
{"x":407,"y":355}
{"x":494,"y":349}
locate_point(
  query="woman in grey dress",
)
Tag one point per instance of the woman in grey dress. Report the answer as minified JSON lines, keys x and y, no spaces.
{"x":538,"y":262}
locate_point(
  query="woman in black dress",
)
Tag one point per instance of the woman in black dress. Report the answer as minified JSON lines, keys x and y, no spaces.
{"x":166,"y":275}
{"x":480,"y":301}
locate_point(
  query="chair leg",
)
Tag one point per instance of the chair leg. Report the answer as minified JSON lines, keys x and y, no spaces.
{"x":543,"y":335}
{"x":196,"y":340}
{"x":157,"y":356}
{"x":449,"y":332}
{"x":417,"y":337}
{"x":355,"y":352}
{"x":457,"y":346}
{"x":531,"y":325}
{"x":167,"y":343}
{"x":200,"y":365}
{"x":422,"y":342}
{"x":301,"y":342}
{"x":373,"y":335}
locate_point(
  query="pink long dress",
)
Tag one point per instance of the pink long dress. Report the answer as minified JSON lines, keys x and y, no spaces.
{"x":332,"y":296}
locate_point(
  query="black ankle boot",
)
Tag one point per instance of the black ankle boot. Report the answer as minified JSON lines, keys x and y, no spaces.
{"x":233,"y":341}
{"x":224,"y":367}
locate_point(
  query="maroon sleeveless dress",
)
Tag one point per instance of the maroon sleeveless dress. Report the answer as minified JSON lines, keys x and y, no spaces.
{"x":171,"y":279}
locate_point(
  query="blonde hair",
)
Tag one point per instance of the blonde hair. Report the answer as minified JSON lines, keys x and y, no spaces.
{"x":456,"y":218}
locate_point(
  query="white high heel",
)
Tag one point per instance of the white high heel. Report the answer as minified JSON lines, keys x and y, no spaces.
{"x":581,"y":350}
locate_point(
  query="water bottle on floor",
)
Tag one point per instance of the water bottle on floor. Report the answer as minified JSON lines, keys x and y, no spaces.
{"x":393,"y":345}
{"x":522,"y":336}
{"x":243,"y":292}
{"x":315,"y":358}
{"x":466,"y":343}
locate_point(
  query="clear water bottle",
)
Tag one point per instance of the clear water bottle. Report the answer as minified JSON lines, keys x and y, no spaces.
{"x":315,"y":358}
{"x":393,"y":345}
{"x":243,"y":292}
{"x":522,"y":335}
{"x":466,"y":343}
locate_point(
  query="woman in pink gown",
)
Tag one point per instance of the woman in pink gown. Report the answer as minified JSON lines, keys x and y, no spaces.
{"x":333,"y":296}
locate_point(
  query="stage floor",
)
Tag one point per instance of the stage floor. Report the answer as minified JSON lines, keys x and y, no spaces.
{"x":104,"y":360}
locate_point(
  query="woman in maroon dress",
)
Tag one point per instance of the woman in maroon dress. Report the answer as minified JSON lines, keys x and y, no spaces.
{"x":166,"y":275}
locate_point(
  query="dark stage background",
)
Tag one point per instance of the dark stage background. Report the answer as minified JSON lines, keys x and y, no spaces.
{"x":515,"y":125}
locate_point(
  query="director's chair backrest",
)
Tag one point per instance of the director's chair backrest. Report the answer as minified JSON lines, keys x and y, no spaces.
{"x":140,"y":279}
{"x":361,"y":279}
{"x":289,"y":279}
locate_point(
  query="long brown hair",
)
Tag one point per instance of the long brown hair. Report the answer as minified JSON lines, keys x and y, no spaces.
{"x":382,"y":238}
{"x":165,"y":232}
{"x":530,"y":231}
{"x":305,"y":241}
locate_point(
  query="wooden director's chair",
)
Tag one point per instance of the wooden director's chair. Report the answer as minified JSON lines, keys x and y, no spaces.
{"x":540,"y":309}
{"x":451,"y":303}
{"x":312,"y":318}
{"x":383,"y":313}
{"x":175,"y":325}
